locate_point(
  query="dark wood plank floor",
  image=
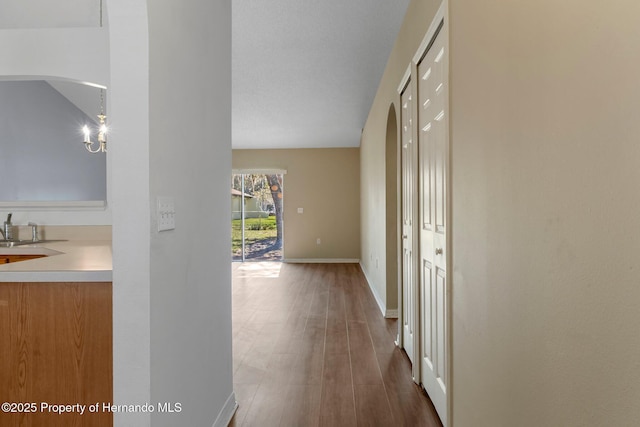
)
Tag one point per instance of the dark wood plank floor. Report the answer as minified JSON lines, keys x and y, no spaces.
{"x":311,"y":348}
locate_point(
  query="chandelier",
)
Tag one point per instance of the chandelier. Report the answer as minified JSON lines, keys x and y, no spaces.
{"x":102,"y":125}
{"x":102,"y":131}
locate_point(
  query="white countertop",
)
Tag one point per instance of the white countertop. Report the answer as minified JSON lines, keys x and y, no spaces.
{"x":67,"y":261}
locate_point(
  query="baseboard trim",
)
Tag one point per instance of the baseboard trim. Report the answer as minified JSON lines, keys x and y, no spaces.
{"x":322,"y":260}
{"x":228,"y":411}
{"x":379,"y":301}
{"x":391,"y":314}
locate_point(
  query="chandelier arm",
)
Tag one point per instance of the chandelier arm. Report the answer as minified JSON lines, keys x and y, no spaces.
{"x":89,"y":145}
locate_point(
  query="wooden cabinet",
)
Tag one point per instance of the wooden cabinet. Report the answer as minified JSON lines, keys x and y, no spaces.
{"x":6,"y":259}
{"x":56,"y":348}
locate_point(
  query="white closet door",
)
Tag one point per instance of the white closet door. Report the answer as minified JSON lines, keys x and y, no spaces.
{"x":433,"y":157}
{"x":409,"y":192}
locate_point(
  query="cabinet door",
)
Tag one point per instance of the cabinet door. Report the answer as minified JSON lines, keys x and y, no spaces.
{"x":18,"y":258}
{"x":56,"y":346}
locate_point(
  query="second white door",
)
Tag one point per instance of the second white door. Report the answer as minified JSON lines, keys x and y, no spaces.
{"x":433,"y":158}
{"x":409,"y":153}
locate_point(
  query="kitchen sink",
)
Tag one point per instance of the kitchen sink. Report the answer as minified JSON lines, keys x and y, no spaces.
{"x":12,"y":243}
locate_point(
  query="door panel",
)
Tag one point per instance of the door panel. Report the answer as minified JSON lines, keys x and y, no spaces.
{"x":441,"y":323}
{"x":433,"y":156}
{"x":408,"y":153}
{"x":427,"y":327}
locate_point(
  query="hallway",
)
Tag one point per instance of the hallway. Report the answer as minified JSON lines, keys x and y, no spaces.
{"x":311,"y":348}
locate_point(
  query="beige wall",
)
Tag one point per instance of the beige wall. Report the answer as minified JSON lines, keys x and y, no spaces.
{"x":373,"y":197}
{"x":326,"y":184}
{"x":546,"y":205}
{"x":546,"y":202}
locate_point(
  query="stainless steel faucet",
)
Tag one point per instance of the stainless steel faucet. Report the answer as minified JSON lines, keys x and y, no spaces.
{"x":8,"y":228}
{"x":34,"y":231}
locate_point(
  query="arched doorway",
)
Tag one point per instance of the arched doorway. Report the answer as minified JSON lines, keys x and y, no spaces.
{"x":391,"y":194}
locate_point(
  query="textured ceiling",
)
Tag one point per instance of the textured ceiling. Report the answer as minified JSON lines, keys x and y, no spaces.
{"x":305,"y":72}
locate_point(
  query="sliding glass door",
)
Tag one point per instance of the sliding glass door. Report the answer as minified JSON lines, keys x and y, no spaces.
{"x":256,"y":217}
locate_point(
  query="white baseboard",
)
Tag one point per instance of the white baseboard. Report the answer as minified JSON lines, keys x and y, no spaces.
{"x":228,"y":411}
{"x":322,"y":260}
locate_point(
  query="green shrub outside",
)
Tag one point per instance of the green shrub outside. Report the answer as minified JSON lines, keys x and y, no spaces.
{"x":256,"y":229}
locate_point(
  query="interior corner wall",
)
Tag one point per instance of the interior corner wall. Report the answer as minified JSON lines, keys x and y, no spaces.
{"x":546,"y":196}
{"x":373,"y":200}
{"x":58,"y":170}
{"x":325,"y":182}
{"x":129,"y":153}
{"x":190,"y":161}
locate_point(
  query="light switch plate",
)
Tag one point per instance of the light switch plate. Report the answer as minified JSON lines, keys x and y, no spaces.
{"x":166,"y":214}
{"x":300,"y":210}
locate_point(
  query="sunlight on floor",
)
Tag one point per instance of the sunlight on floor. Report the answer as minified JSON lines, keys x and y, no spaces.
{"x":267,"y":269}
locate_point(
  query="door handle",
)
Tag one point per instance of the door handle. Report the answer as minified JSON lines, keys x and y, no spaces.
{"x":438,"y":251}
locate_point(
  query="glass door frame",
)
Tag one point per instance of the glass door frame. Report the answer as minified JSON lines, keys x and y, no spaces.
{"x":242,"y":173}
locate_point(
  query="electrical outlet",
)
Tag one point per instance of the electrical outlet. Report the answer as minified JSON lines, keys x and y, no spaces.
{"x":166,"y":214}
{"x":300,"y":210}
{"x":318,"y":241}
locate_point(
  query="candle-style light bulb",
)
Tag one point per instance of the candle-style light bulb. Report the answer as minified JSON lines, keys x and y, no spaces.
{"x":87,"y":134}
{"x":102,"y":130}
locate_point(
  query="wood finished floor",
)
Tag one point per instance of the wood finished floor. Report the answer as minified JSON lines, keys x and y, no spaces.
{"x":311,"y":348}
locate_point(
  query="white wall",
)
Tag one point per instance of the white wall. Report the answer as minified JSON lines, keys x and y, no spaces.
{"x":129,"y":153}
{"x":78,"y":54}
{"x":49,"y":14}
{"x":73,"y":54}
{"x":190,"y":160}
